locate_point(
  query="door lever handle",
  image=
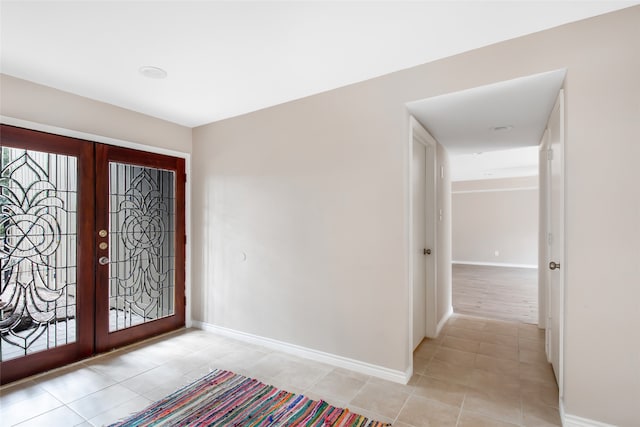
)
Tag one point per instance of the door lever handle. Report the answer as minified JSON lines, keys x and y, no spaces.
{"x":103,"y":260}
{"x":554,"y":265}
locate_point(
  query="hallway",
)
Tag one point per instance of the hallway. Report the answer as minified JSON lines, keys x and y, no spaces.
{"x":494,"y":371}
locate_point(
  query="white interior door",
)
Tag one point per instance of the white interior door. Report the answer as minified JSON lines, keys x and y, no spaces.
{"x":419,"y":242}
{"x":555,"y":240}
{"x":423,"y":234}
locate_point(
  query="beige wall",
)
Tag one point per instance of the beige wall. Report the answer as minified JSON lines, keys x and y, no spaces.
{"x":314,"y":192}
{"x":492,"y":215}
{"x":24,"y":100}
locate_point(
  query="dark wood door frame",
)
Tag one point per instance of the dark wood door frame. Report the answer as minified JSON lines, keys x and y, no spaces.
{"x":15,"y":137}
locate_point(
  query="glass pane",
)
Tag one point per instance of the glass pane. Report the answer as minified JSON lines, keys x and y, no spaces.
{"x":141,"y":245}
{"x":38,"y":202}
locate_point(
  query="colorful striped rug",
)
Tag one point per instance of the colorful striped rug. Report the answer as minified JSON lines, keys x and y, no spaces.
{"x":223,"y":398}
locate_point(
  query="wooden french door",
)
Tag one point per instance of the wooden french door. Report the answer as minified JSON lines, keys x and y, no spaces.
{"x":92,"y":249}
{"x":140,"y":245}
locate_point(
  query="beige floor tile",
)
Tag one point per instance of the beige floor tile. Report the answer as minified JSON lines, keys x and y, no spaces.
{"x":538,"y":394}
{"x":121,"y":411}
{"x":301,"y":374}
{"x":420,"y":412}
{"x":470,"y":419}
{"x":440,"y":390}
{"x":337,"y":385}
{"x":529,"y":344}
{"x":59,"y":417}
{"x":420,"y":364}
{"x":498,"y":351}
{"x":353,"y":374}
{"x":446,"y":371}
{"x":538,"y":372}
{"x":25,"y":409}
{"x":119,"y":367}
{"x":540,"y":416}
{"x":162,"y":376}
{"x":469,"y":322}
{"x":505,"y":340}
{"x":70,"y":385}
{"x":502,"y":328}
{"x":489,"y":381}
{"x":455,"y":357}
{"x":17,"y":392}
{"x":501,"y":405}
{"x":464,"y":333}
{"x":101,"y":401}
{"x":530,"y":356}
{"x":460,"y":344}
{"x":498,"y":366}
{"x":426,"y":349}
{"x":380,"y":400}
{"x":530,"y":331}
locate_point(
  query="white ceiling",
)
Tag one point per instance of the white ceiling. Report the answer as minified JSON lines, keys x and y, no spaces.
{"x":228,"y":58}
{"x":492,"y":131}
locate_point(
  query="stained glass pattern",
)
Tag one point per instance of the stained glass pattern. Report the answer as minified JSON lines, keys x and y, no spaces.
{"x":38,"y":199}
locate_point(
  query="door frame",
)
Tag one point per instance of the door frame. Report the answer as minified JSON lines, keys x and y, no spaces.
{"x":136,"y":146}
{"x":418,"y":133}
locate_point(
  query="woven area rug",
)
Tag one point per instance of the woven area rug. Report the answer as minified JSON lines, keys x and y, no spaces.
{"x":223,"y":398}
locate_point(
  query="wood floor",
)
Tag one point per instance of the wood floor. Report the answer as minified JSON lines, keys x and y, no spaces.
{"x":496,"y":292}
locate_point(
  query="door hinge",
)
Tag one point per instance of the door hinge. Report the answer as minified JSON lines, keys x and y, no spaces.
{"x":185,"y":177}
{"x":549,"y":154}
{"x":185,"y":239}
{"x":185,"y":301}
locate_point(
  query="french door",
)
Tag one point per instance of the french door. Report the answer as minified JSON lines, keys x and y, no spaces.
{"x":92,"y":252}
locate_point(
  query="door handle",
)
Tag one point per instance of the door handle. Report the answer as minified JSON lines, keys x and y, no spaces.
{"x":103,"y":260}
{"x":554,"y":265}
{"x":426,"y":251}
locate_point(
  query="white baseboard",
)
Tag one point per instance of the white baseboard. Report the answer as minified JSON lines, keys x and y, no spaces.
{"x":444,"y":319}
{"x":496,"y":264}
{"x":569,"y":420}
{"x":308,"y":353}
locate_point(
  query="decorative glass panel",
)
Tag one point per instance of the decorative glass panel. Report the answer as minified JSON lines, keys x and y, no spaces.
{"x":141,"y":245}
{"x":38,"y":212}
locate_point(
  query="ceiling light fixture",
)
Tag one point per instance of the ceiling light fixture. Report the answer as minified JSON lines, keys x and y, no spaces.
{"x":152,"y":72}
{"x":502,"y":128}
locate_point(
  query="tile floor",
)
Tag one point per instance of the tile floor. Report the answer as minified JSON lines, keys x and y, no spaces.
{"x":479,"y":372}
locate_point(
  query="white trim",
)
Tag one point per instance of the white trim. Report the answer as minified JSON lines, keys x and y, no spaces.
{"x":494,"y":190}
{"x":569,"y":420}
{"x":136,"y":146}
{"x":309,"y":353}
{"x":444,"y":319}
{"x":496,"y":264}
